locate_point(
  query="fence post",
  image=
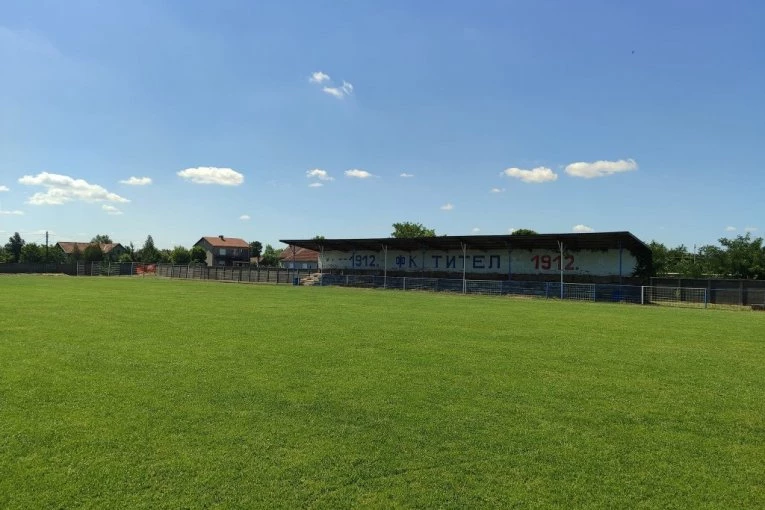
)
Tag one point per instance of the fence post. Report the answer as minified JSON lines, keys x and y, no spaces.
{"x":642,"y":294}
{"x":705,"y":298}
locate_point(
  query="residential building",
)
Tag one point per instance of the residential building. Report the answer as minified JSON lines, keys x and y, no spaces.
{"x":295,"y":257}
{"x":71,"y":249}
{"x":225,"y":251}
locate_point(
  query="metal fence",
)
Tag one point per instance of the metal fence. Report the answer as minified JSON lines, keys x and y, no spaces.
{"x":114,"y":268}
{"x":721,"y":291}
{"x":611,"y":293}
{"x":744,"y":295}
{"x":252,"y":274}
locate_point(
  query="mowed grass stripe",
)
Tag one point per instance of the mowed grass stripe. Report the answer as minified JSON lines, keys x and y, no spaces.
{"x":155,"y":393}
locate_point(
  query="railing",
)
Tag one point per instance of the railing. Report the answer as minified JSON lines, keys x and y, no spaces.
{"x":612,"y":293}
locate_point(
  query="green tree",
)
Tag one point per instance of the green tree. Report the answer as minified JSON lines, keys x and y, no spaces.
{"x":712,"y":260}
{"x":76,"y":254}
{"x":744,"y":257}
{"x":318,"y":238}
{"x":198,"y":255}
{"x":125,"y":257}
{"x":164,"y":256}
{"x":524,"y":232}
{"x":13,"y":248}
{"x":102,"y":239}
{"x":32,"y":253}
{"x":256,"y":248}
{"x":659,"y":253}
{"x":3,"y":255}
{"x":148,"y":253}
{"x":93,"y":253}
{"x":409,"y":229}
{"x":180,"y":255}
{"x":270,"y":256}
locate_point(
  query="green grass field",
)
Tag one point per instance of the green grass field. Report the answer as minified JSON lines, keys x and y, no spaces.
{"x":152,"y":393}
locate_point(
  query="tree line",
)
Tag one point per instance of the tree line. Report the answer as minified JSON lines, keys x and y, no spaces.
{"x":17,"y":250}
{"x":741,"y":257}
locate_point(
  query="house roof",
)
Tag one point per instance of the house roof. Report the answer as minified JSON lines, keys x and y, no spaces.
{"x":68,"y":246}
{"x":224,"y":242}
{"x":588,"y":241}
{"x":299,"y":254}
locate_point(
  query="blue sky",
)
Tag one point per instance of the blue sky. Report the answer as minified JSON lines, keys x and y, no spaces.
{"x":551,"y":115}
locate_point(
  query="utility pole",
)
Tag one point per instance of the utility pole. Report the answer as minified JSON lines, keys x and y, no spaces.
{"x":46,"y":247}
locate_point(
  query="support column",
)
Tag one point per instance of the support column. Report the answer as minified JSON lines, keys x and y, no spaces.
{"x":464,"y":267}
{"x":385,"y":266}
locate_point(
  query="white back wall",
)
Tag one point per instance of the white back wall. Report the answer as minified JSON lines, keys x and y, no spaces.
{"x":585,"y":262}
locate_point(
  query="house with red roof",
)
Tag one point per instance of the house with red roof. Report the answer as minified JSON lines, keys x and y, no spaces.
{"x":75,"y":249}
{"x":225,"y":251}
{"x":295,"y":257}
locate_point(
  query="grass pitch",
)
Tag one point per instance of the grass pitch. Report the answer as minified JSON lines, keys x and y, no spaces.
{"x":151,"y":393}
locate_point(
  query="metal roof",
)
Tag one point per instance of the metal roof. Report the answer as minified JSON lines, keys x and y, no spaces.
{"x":589,"y":241}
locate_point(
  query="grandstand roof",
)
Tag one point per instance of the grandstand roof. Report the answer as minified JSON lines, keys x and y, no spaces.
{"x":589,"y":241}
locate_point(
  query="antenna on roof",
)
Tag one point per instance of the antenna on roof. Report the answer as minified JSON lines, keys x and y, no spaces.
{"x":221,"y":238}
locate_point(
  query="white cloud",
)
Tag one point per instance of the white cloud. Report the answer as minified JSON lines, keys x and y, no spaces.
{"x":537,"y":175}
{"x":244,"y":217}
{"x":318,"y":77}
{"x":323,"y":79}
{"x":11,"y":213}
{"x":315,"y":185}
{"x":581,"y":229}
{"x":476,"y":230}
{"x":447,"y":207}
{"x":497,"y":190}
{"x":339,"y":92}
{"x":62,"y":189}
{"x":212,"y":175}
{"x":751,"y":229}
{"x":730,"y":229}
{"x":318,"y":173}
{"x":4,"y":188}
{"x":406,"y":175}
{"x":600,"y":168}
{"x":511,"y":230}
{"x":137,"y":181}
{"x":334,"y":91}
{"x":111,"y":210}
{"x":358,"y":174}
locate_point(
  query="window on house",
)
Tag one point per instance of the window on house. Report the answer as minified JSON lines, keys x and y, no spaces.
{"x":222,"y":252}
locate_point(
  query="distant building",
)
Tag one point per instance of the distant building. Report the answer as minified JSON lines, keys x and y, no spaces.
{"x":111,"y":251}
{"x":225,"y":251}
{"x":295,"y":257}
